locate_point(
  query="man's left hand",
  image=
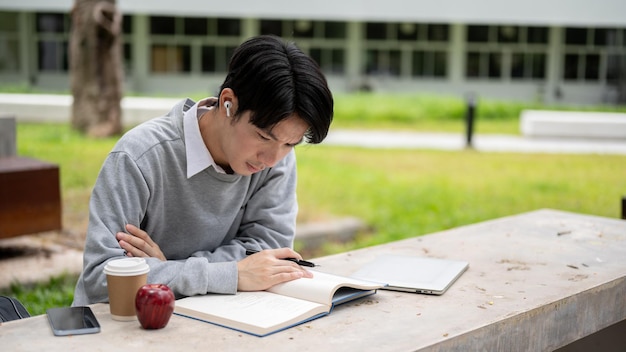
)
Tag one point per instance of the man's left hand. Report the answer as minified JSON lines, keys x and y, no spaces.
{"x":137,"y":243}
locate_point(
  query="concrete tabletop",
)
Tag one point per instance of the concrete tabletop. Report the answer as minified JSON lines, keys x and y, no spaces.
{"x":537,"y":281}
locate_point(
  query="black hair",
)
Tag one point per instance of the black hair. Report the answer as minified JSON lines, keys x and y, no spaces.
{"x":274,"y":79}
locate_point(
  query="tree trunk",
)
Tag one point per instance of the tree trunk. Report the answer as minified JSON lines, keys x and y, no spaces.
{"x":95,"y":67}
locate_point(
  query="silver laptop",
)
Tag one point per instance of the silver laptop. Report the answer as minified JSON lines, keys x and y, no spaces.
{"x":413,"y":274}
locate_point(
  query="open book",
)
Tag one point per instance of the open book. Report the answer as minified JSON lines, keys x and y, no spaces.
{"x":285,"y":305}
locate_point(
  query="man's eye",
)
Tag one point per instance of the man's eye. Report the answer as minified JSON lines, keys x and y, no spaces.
{"x":263,"y":137}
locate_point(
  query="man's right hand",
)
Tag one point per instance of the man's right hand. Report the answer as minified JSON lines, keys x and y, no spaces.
{"x":265,"y":269}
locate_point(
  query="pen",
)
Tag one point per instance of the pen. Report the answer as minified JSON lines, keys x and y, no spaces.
{"x":299,"y":262}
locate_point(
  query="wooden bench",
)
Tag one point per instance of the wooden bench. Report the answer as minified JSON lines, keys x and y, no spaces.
{"x":573,"y":124}
{"x":30,"y":197}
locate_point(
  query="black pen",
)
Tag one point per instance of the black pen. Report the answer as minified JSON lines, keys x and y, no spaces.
{"x":297,"y":261}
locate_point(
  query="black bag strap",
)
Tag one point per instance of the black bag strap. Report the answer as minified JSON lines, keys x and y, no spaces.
{"x":12,"y":309}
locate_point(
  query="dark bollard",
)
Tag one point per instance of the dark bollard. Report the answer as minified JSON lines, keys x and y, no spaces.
{"x":624,"y":207}
{"x":469,"y":120}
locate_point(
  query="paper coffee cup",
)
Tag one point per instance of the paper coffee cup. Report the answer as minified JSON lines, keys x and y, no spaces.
{"x":124,"y":278}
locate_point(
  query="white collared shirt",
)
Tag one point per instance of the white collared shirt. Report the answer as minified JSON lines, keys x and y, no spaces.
{"x":198,"y":155}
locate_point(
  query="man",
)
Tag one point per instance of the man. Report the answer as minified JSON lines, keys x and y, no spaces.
{"x":191,"y":191}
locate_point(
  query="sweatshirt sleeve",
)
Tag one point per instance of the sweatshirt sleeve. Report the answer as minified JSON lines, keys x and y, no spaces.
{"x":119,"y":197}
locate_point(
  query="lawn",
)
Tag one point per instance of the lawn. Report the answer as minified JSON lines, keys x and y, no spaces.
{"x":398,"y":193}
{"x":405,"y":193}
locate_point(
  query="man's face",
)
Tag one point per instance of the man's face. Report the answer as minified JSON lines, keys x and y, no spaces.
{"x":248,"y":149}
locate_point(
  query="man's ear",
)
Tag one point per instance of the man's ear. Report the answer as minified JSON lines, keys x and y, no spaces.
{"x":228,"y":95}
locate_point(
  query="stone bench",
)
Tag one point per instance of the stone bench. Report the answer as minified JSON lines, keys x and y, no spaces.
{"x":573,"y":124}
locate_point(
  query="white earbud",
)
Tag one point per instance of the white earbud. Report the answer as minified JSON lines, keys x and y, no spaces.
{"x":227,"y":105}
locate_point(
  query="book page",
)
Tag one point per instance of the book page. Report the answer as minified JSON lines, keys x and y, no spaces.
{"x":258,"y":312}
{"x":321,"y":287}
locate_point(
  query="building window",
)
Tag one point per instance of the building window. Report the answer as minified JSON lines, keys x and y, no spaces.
{"x":592,"y":65}
{"x":196,"y":26}
{"x":422,"y":32}
{"x":606,"y":37}
{"x":165,"y":25}
{"x":438,"y":32}
{"x":376,"y":31}
{"x":409,"y":50}
{"x":216,"y":58}
{"x":576,"y":36}
{"x":127,"y":47}
{"x":477,"y":34}
{"x":324,"y":41}
{"x":407,"y":31}
{"x":537,"y":35}
{"x":570,"y":70}
{"x":429,"y":64}
{"x":506,"y":52}
{"x":271,"y":27}
{"x":303,"y":29}
{"x":616,"y":69}
{"x":473,"y":65}
{"x":528,"y":66}
{"x":335,"y":30}
{"x":331,"y":60}
{"x":383,"y":62}
{"x":594,"y":54}
{"x":484,"y":65}
{"x":192,"y":44}
{"x":52,"y":23}
{"x":480,"y":64}
{"x":9,"y":43}
{"x":508,"y":34}
{"x":228,"y":27}
{"x":52,"y":41}
{"x":127,"y":24}
{"x":171,"y":58}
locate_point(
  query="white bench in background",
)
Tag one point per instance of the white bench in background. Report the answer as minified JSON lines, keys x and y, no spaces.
{"x":573,"y":124}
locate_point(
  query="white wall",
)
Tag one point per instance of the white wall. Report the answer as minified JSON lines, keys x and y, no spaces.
{"x":548,"y":12}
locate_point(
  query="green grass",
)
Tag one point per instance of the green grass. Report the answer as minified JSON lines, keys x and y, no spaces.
{"x":406,"y":193}
{"x":56,"y":292}
{"x":399,"y":193}
{"x":79,"y":157}
{"x":436,"y":113}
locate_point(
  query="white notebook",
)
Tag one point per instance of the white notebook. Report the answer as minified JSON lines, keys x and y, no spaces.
{"x":413,"y":274}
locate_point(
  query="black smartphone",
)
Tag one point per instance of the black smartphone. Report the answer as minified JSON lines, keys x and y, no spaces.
{"x":72,"y":321}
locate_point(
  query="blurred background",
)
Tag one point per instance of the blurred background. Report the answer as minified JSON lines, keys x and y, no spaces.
{"x":552,"y":52}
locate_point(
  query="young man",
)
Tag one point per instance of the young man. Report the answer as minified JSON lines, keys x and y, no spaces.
{"x":191,"y":191}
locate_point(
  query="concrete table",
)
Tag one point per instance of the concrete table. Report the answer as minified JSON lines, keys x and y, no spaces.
{"x":537,"y":281}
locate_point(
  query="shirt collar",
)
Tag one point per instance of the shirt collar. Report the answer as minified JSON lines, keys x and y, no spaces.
{"x":198,"y":156}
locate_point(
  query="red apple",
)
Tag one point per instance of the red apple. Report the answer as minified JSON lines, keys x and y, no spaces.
{"x":154,"y":304}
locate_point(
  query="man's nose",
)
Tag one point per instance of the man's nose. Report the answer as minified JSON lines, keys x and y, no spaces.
{"x":271,"y":155}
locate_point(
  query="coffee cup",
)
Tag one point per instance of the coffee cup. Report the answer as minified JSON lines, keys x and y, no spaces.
{"x":124,"y":278}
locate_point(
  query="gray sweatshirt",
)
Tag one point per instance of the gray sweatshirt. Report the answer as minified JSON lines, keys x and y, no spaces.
{"x":203,"y":224}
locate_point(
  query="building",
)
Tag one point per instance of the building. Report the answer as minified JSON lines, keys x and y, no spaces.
{"x":554,"y":51}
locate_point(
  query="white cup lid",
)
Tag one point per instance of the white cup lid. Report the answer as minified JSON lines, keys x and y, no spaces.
{"x":126,"y":267}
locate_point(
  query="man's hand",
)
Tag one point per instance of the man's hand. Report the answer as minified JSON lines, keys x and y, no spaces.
{"x":265,"y":269}
{"x":137,"y":243}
